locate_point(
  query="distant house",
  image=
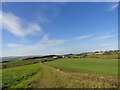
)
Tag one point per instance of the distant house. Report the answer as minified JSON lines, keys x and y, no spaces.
{"x":66,"y":56}
{"x":55,"y":57}
{"x":63,"y":56}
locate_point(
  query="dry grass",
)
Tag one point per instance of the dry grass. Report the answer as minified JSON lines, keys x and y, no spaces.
{"x":56,"y":78}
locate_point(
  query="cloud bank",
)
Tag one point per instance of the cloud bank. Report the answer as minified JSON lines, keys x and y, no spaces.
{"x":43,"y":46}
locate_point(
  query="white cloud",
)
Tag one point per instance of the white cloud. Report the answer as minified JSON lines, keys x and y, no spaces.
{"x":83,"y":48}
{"x":17,"y":26}
{"x":43,"y":46}
{"x":14,"y":45}
{"x":56,"y":46}
{"x":83,"y":37}
{"x":102,"y":37}
{"x":114,"y":6}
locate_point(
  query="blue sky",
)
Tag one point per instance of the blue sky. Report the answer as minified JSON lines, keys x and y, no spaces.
{"x":58,"y":28}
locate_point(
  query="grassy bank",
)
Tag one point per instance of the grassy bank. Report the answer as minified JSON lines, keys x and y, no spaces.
{"x":15,"y":75}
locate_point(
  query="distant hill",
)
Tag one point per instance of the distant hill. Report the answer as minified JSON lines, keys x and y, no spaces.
{"x":13,"y":58}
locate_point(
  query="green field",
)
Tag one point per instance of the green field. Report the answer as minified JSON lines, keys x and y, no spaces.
{"x":55,"y":78}
{"x":20,"y":63}
{"x":15,"y":75}
{"x":87,"y":65}
{"x":61,"y":73}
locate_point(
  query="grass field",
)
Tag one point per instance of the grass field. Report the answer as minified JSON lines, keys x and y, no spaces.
{"x":62,"y":73}
{"x":55,"y":78}
{"x":15,"y":75}
{"x":87,"y":65}
{"x":20,"y":63}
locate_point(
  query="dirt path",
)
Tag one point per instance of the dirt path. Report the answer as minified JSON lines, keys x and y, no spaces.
{"x":54,"y":78}
{"x":50,"y":78}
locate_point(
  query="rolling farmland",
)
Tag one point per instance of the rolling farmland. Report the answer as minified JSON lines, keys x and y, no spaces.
{"x":61,"y":73}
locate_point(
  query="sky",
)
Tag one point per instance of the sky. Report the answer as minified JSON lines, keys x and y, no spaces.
{"x":45,"y":28}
